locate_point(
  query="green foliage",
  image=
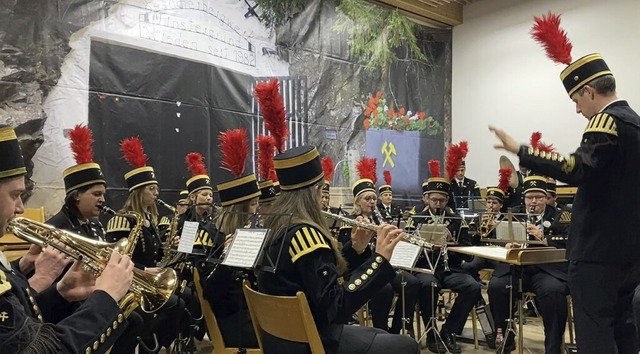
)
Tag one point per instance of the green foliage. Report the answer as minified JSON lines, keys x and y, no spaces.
{"x":276,"y":12}
{"x":375,"y":32}
{"x":345,"y":172}
{"x":380,"y":116}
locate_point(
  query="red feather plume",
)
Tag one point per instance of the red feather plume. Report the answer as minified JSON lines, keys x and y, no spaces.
{"x":434,"y":168}
{"x":464,"y":147}
{"x":455,"y":154}
{"x":387,"y":177}
{"x":367,"y":168}
{"x":273,"y":111}
{"x":133,"y":152}
{"x":195,"y":164}
{"x":547,"y":31}
{"x":266,"y":149}
{"x":235,"y":149}
{"x":81,"y":144}
{"x":505,"y":176}
{"x":327,"y":168}
{"x":537,"y":144}
{"x":273,"y":175}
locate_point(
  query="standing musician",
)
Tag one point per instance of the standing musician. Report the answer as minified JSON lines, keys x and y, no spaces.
{"x":364,"y":205}
{"x":313,"y":264}
{"x":388,"y":210}
{"x":47,"y":321}
{"x":548,"y":281}
{"x":604,"y":167}
{"x":448,"y":272}
{"x":463,"y":188}
{"x":222,"y":285}
{"x":143,"y":195}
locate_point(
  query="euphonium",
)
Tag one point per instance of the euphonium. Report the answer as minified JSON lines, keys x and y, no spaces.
{"x":150,"y":291}
{"x":409,"y":238}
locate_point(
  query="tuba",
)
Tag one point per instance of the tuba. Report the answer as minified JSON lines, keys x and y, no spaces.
{"x":148,"y":291}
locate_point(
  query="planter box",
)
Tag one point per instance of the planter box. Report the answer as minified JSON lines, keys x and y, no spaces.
{"x":408,"y":165}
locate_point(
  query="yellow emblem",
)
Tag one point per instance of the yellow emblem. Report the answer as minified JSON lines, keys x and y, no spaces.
{"x":388,"y":149}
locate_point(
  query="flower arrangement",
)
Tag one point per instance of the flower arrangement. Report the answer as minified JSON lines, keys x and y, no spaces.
{"x":380,"y":116}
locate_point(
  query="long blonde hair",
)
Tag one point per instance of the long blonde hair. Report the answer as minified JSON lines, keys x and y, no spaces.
{"x":228,"y":219}
{"x":356,"y":203}
{"x":304,"y":206}
{"x":134,"y":203}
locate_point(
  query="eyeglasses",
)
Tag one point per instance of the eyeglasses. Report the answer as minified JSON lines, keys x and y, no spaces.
{"x":536,"y":197}
{"x":438,"y":200}
{"x":370,"y":198}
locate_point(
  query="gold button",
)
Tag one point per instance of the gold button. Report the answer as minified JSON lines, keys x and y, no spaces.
{"x":369,"y":271}
{"x":120,"y":318}
{"x":108,"y":331}
{"x":40,"y":318}
{"x":576,"y":78}
{"x":379,"y":259}
{"x":364,"y":277}
{"x":102,"y":338}
{"x":115,"y":325}
{"x":352,"y":287}
{"x":95,"y":345}
{"x":36,"y":308}
{"x":357,"y":282}
{"x":88,"y":351}
{"x":374,"y":265}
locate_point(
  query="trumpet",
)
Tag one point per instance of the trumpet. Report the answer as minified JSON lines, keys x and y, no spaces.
{"x":409,"y":238}
{"x":148,"y":291}
{"x":487,"y":224}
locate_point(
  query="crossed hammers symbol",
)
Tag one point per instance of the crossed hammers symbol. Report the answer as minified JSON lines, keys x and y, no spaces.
{"x":388,"y":149}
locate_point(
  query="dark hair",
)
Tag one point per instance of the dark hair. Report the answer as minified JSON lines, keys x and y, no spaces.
{"x":604,"y":85}
{"x":70,"y":199}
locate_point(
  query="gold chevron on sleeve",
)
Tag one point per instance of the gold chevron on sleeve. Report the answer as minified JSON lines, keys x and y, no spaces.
{"x":602,"y":123}
{"x":306,"y":240}
{"x":118,"y":223}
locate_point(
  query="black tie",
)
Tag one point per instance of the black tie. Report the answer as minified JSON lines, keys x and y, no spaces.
{"x":389,"y":210}
{"x":460,"y":184}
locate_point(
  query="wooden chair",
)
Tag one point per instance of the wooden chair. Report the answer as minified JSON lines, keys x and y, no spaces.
{"x":219,"y":347}
{"x":285,"y":317}
{"x":14,"y":247}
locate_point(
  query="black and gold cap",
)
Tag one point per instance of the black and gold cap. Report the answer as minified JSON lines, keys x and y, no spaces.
{"x":12,"y":161}
{"x":184,"y":197}
{"x":436,"y":185}
{"x":385,"y":188}
{"x":267,"y":191}
{"x":361,"y":186}
{"x":495,"y":193}
{"x":198,"y":182}
{"x":551,"y":186}
{"x":276,"y":187}
{"x":298,"y":167}
{"x":140,"y":177}
{"x":534,"y":184}
{"x":326,"y":187}
{"x":238,"y":190}
{"x":78,"y":176}
{"x":582,"y":71}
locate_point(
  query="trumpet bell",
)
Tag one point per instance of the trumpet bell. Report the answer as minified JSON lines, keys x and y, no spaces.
{"x":506,"y":163}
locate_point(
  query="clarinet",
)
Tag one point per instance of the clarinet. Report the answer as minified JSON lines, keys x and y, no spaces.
{"x":437,"y":219}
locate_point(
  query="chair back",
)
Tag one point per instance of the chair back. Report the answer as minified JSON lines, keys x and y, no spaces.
{"x":219,"y":347}
{"x":14,"y":247}
{"x":284,"y":317}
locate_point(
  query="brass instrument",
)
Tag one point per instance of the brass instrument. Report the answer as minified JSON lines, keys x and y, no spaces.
{"x":487,"y":224}
{"x":136,"y":231}
{"x":168,"y":251}
{"x":409,"y":238}
{"x":149,"y":291}
{"x":161,"y":202}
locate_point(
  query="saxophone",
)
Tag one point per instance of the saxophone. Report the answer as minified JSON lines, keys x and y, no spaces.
{"x":149,"y":291}
{"x":167,"y":249}
{"x":136,"y":231}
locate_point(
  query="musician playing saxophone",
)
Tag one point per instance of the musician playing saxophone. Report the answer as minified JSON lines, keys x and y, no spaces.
{"x":47,"y":321}
{"x":447,"y":274}
{"x":549,"y":281}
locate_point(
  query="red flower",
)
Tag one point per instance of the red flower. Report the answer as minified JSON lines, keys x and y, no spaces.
{"x":406,"y":121}
{"x":367,"y":111}
{"x":402,"y":111}
{"x":379,"y":95}
{"x":367,"y":123}
{"x":390,"y":112}
{"x":421,"y":115}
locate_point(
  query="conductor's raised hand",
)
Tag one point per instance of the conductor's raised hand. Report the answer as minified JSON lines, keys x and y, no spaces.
{"x":506,"y":141}
{"x":388,"y":237}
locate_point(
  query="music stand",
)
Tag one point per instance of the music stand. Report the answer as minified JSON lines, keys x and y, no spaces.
{"x":513,"y":228}
{"x":516,"y":257}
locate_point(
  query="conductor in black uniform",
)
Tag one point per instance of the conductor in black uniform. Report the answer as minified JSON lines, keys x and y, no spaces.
{"x":604,"y":249}
{"x":47,"y":322}
{"x":548,"y":281}
{"x":312,"y":263}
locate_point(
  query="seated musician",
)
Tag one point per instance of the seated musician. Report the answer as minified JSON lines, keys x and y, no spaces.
{"x":548,"y":281}
{"x":314,"y":264}
{"x":364,"y":205}
{"x":448,"y":272}
{"x":552,"y":198}
{"x":181,"y":207}
{"x":143,"y":194}
{"x":484,"y":227}
{"x":388,"y":210}
{"x":49,"y":320}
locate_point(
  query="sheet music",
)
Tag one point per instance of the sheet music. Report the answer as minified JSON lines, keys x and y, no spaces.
{"x":405,"y":255}
{"x":519,"y":231}
{"x":433,"y":233}
{"x":245,"y":248}
{"x":489,"y":251}
{"x":188,"y":236}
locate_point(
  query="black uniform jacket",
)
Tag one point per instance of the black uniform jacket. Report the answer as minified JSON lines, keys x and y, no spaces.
{"x":458,"y":196}
{"x":46,"y":323}
{"x":605,"y":169}
{"x":65,"y":220}
{"x":459,"y":232}
{"x":556,"y":233}
{"x":148,"y":250}
{"x":308,"y":264}
{"x":389,"y":215}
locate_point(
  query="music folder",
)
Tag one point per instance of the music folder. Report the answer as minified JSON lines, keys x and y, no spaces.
{"x":433,"y":233}
{"x":246,"y":248}
{"x":405,"y":255}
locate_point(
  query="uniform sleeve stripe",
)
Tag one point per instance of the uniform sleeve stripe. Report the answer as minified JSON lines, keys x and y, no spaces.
{"x":306,"y":240}
{"x":118,"y":223}
{"x":317,"y":237}
{"x":310,"y":240}
{"x":296,"y":247}
{"x":602,"y":123}
{"x":306,"y":251}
